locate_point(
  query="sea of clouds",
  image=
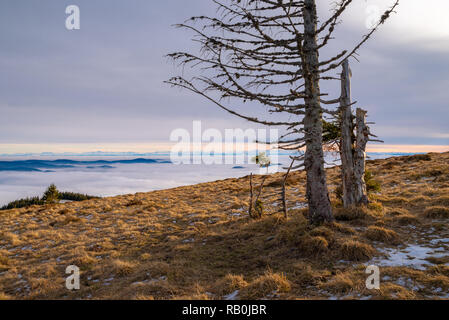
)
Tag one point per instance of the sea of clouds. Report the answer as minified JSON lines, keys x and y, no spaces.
{"x":116,"y":174}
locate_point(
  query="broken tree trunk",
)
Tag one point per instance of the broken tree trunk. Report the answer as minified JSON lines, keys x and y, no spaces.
{"x":317,"y":193}
{"x":255,"y":209}
{"x":347,"y":139}
{"x":363,"y":134}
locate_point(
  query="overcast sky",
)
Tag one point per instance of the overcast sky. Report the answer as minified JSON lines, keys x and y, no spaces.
{"x":103,"y":84}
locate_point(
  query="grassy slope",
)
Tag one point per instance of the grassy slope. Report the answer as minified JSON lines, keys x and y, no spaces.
{"x":197,"y":242}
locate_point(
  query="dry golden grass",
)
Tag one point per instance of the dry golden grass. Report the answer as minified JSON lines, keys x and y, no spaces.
{"x":268,"y":284}
{"x":340,"y":284}
{"x":197,"y":242}
{"x":436,"y":212}
{"x":354,"y":250}
{"x":375,"y":233}
{"x":229,"y":284}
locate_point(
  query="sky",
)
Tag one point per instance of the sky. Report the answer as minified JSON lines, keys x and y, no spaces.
{"x":101,"y":87}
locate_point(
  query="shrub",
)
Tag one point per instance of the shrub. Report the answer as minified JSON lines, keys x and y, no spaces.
{"x":258,"y":209}
{"x":372,"y":185}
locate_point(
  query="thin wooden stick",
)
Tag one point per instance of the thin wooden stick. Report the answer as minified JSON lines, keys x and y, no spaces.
{"x":284,"y":196}
{"x":250,"y":210}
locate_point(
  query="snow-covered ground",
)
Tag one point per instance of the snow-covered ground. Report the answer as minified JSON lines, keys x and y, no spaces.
{"x":413,"y":256}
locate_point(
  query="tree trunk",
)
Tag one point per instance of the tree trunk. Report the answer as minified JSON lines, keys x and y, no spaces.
{"x":347,"y":139}
{"x":317,"y":193}
{"x":360,"y":157}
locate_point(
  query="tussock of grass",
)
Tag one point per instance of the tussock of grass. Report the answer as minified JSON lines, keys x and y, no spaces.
{"x":269,"y":283}
{"x":354,"y":250}
{"x":292,"y":231}
{"x":438,"y":260}
{"x":438,"y":281}
{"x":340,"y":284}
{"x":382,"y":234}
{"x":376,"y":209}
{"x":323,"y":231}
{"x":342,"y":228}
{"x":406,"y":219}
{"x":11,"y":238}
{"x":440,"y":269}
{"x":392,"y":291}
{"x":398,"y":212}
{"x":4,"y":296}
{"x":437,"y":212}
{"x":443,"y":201}
{"x":122,"y":268}
{"x":349,"y":214}
{"x":311,"y":246}
{"x":229,"y":284}
{"x":4,"y":260}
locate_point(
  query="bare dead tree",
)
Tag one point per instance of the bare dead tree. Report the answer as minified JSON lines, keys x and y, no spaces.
{"x":267,"y":52}
{"x":352,"y":145}
{"x":363,"y":136}
{"x":347,"y":138}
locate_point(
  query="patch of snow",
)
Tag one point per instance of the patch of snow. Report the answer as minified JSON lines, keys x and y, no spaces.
{"x":438,"y":241}
{"x":413,"y":256}
{"x":236,"y":214}
{"x":149,"y":281}
{"x":409,"y":284}
{"x":300,"y":205}
{"x":213,"y":220}
{"x":232,"y":296}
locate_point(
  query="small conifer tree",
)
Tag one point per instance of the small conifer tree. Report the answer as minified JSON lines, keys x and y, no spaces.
{"x":51,"y":195}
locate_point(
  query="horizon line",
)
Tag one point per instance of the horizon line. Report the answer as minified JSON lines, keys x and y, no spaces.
{"x":154,"y":148}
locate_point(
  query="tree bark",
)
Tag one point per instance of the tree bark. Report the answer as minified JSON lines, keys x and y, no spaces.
{"x":317,"y":193}
{"x":347,"y":139}
{"x":360,"y":157}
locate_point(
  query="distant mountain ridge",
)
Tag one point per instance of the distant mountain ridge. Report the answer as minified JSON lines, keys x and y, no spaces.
{"x":47,"y":165}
